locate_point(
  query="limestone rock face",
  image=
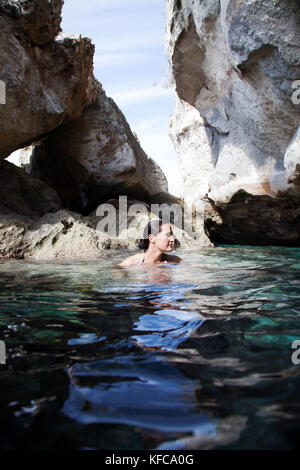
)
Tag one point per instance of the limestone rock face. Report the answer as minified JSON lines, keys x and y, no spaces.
{"x":39,"y":19}
{"x":234,"y":66}
{"x":46,"y":83}
{"x":62,"y":235}
{"x":59,"y":235}
{"x":193,"y":142}
{"x":96,"y":157}
{"x":289,"y":175}
{"x":13,"y":228}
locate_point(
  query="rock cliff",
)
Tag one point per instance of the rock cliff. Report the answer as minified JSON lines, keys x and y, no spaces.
{"x":95,"y":157}
{"x":235,"y":65}
{"x":78,"y":149}
{"x":48,"y":77}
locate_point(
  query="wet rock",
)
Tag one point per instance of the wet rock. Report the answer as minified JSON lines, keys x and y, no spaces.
{"x":255,"y":220}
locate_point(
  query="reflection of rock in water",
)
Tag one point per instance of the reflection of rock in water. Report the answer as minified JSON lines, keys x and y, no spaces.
{"x":134,"y":390}
{"x":227,"y":432}
{"x":137,"y":389}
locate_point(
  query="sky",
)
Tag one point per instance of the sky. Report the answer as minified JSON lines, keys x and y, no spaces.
{"x":130,"y":62}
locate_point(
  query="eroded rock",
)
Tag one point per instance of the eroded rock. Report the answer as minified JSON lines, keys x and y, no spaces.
{"x":62,"y":235}
{"x":96,"y":157}
{"x":13,"y":228}
{"x":255,"y":220}
{"x":46,"y":84}
{"x":84,"y":151}
{"x":68,"y":235}
{"x":39,"y":19}
{"x":236,"y":119}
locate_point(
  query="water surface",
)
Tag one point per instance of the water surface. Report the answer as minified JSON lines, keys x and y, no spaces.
{"x":185,"y":356}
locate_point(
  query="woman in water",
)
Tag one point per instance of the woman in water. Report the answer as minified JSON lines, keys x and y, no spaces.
{"x":158,"y":239}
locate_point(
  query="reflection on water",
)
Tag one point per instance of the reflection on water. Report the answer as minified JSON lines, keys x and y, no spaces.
{"x":141,"y":392}
{"x":168,"y":357}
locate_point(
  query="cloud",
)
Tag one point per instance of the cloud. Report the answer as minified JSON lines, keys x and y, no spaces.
{"x":125,"y":98}
{"x":115,"y":31}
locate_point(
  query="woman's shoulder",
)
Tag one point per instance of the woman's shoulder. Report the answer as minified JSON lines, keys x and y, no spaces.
{"x":172,"y":258}
{"x":131,"y":260}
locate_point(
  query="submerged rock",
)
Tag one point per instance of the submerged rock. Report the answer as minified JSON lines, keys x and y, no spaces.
{"x":235,"y":65}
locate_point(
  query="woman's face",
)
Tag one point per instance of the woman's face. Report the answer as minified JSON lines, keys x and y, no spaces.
{"x":165,"y":239}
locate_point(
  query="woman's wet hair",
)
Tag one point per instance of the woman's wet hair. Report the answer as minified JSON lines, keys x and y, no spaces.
{"x":152,"y":228}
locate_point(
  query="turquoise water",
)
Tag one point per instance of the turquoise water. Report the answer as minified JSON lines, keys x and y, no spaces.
{"x":173,"y":357}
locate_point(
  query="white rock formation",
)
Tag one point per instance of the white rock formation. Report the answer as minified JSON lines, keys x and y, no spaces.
{"x":192,"y":141}
{"x":289,"y":177}
{"x":234,"y":65}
